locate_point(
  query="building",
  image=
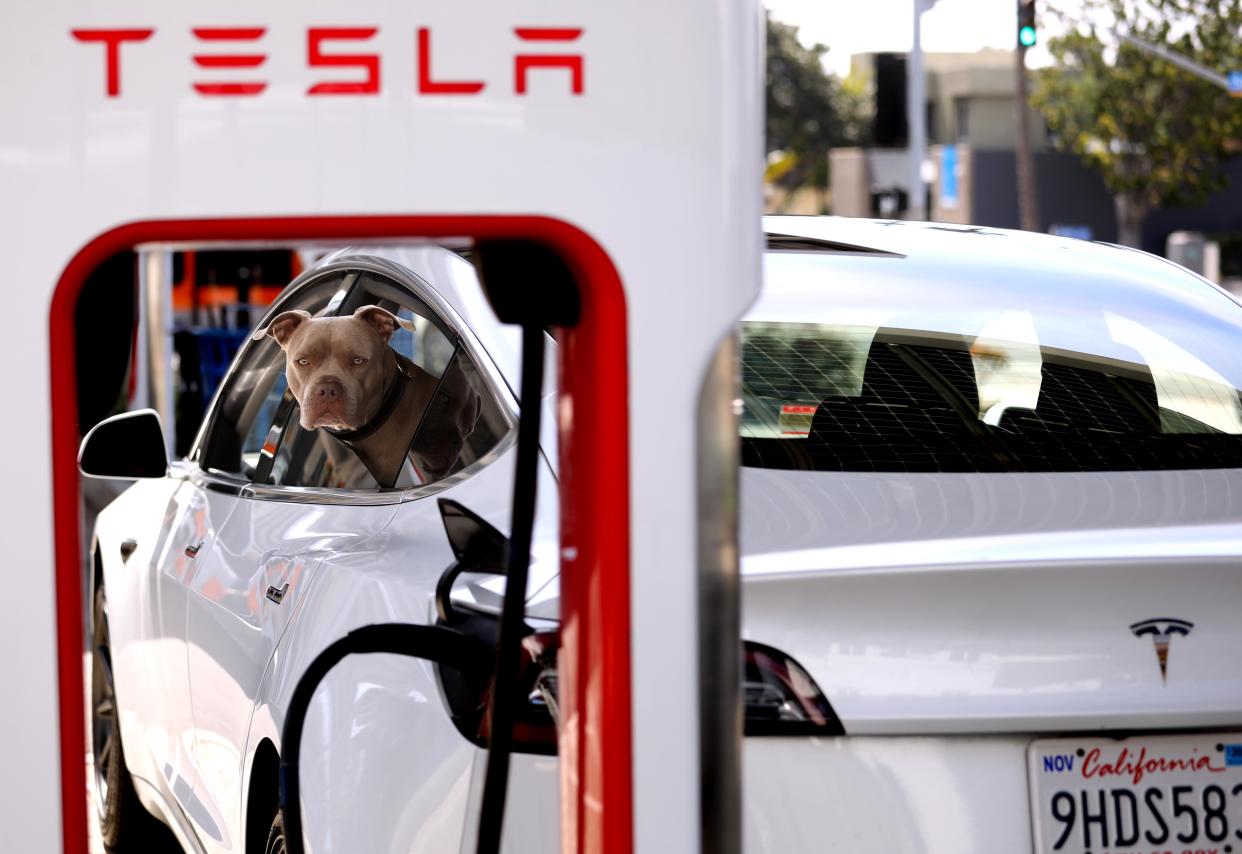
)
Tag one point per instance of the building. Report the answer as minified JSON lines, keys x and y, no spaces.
{"x":970,"y":171}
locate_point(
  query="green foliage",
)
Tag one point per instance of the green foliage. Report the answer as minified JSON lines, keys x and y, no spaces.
{"x":808,"y":110}
{"x":1154,"y":132}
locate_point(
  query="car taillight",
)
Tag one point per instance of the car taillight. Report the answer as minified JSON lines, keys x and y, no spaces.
{"x":779,"y":696}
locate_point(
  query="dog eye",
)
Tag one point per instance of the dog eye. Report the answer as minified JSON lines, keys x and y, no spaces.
{"x":303,"y":362}
{"x":358,"y":360}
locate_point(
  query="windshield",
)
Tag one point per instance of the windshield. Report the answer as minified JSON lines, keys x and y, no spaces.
{"x":867,"y":364}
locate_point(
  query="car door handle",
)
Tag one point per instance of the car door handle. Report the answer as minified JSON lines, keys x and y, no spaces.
{"x":278,"y":596}
{"x":191,"y":551}
{"x":127,"y":549}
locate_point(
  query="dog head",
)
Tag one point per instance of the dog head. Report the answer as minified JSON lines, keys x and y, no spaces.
{"x":336,"y":366}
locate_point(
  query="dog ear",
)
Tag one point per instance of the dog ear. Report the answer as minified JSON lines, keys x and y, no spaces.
{"x":383,"y":321}
{"x":282,"y":326}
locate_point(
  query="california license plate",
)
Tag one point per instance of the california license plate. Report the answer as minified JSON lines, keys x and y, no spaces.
{"x":1168,"y":794}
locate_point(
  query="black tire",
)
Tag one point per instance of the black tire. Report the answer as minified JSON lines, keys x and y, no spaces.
{"x":276,"y":836}
{"x":124,"y":824}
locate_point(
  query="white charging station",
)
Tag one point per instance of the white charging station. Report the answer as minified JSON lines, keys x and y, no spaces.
{"x":627,"y":137}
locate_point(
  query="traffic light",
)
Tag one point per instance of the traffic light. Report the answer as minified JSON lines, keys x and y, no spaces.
{"x":1026,"y":23}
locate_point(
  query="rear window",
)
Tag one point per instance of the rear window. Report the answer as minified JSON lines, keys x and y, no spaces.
{"x":890,"y":375}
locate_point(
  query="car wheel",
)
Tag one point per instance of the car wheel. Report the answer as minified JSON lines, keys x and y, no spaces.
{"x":276,"y":836}
{"x":124,"y":824}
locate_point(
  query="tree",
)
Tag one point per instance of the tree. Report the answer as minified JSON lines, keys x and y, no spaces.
{"x":808,"y":110}
{"x":1155,"y":133}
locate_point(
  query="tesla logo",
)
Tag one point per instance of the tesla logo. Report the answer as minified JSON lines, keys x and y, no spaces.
{"x":1162,"y":630}
{"x":239,"y":51}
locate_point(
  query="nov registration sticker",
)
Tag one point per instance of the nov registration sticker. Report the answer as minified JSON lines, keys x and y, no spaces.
{"x":1179,"y":794}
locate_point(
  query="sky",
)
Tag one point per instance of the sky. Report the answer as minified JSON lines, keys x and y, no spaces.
{"x":862,"y":26}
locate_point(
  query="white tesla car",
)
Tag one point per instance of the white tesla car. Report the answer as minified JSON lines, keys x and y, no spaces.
{"x":992,"y":539}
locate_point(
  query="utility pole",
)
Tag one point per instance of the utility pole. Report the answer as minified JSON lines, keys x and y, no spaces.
{"x":1028,"y":204}
{"x":916,"y":116}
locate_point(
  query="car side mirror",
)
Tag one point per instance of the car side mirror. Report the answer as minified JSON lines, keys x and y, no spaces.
{"x":476,"y":544}
{"x":125,"y":447}
{"x":478,"y":547}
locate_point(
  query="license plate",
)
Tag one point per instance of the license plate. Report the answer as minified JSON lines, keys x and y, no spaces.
{"x":1167,"y":794}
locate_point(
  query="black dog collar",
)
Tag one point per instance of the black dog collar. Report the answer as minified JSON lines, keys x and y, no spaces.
{"x":387,"y":407}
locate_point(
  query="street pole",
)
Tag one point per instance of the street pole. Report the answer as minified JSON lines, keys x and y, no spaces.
{"x":1028,"y":205}
{"x":1183,"y":62}
{"x":916,"y":117}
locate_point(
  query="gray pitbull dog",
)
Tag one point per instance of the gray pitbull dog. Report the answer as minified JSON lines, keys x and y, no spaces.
{"x":385,"y":408}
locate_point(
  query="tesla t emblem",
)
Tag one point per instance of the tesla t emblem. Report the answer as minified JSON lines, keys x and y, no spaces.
{"x":1162,"y":630}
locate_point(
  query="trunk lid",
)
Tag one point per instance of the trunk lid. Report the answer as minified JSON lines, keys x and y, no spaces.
{"x":936,"y":603}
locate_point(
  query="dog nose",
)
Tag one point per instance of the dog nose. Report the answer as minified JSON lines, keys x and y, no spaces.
{"x":329,"y":390}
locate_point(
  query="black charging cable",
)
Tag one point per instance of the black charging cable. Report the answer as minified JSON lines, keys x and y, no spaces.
{"x":530,"y":285}
{"x":436,"y":643}
{"x":504,"y":695}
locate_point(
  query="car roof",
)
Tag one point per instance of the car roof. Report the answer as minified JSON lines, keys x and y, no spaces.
{"x":943,"y":254}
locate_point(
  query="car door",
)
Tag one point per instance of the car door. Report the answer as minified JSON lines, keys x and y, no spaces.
{"x":205,"y":505}
{"x":240,"y":600}
{"x":252,"y":398}
{"x":192,"y":521}
{"x":294,"y":514}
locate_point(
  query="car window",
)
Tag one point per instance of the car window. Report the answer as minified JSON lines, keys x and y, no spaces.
{"x":429,"y":344}
{"x":251,"y":398}
{"x":900,"y":376}
{"x":445,"y":415}
{"x":433,"y":448}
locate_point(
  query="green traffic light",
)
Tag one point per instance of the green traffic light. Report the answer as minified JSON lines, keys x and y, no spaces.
{"x":1026,"y":36}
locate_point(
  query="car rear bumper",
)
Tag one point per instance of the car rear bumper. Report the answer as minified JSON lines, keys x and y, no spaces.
{"x":947,"y":795}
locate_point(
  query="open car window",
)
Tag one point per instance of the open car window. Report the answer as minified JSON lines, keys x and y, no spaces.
{"x":442,"y":415}
{"x":255,"y":395}
{"x":317,"y":458}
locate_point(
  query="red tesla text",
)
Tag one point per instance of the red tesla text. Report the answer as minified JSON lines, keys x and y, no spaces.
{"x":369,"y":62}
{"x":426,"y":85}
{"x":213,"y":35}
{"x":112,"y":40}
{"x":234,"y":49}
{"x":522,"y":63}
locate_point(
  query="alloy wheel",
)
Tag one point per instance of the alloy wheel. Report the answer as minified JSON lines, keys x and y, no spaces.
{"x":104,"y":733}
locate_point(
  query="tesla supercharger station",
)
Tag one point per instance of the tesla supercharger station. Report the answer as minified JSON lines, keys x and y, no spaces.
{"x":625,"y":136}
